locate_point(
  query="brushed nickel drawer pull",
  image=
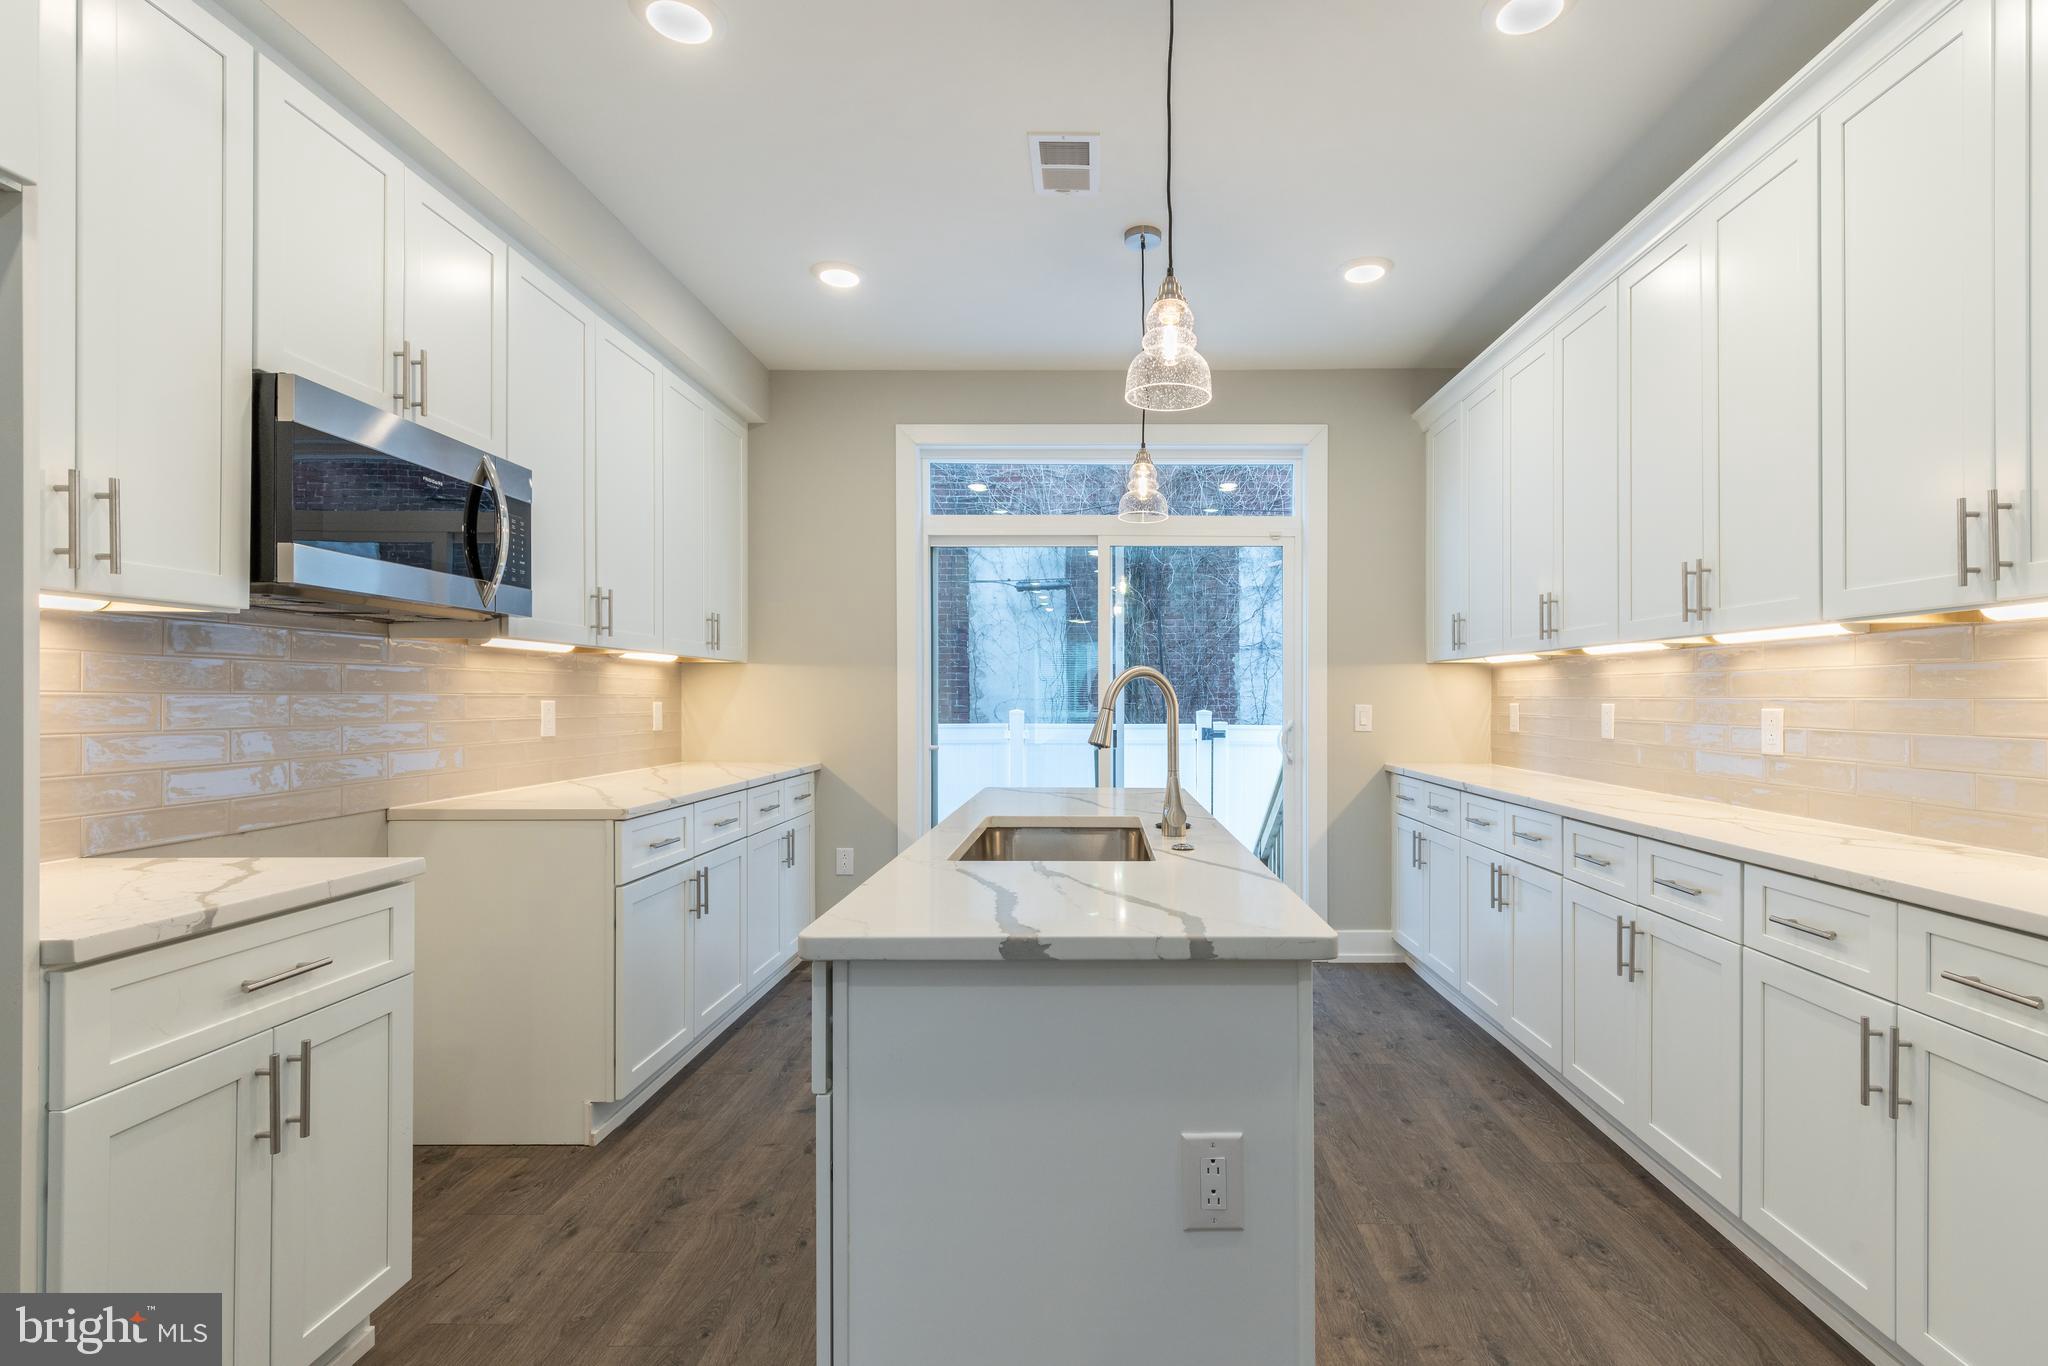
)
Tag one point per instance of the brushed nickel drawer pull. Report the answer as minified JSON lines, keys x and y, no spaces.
{"x":1398,"y":796}
{"x":803,"y":796}
{"x":764,"y":810}
{"x":300,"y":970}
{"x":668,"y":843}
{"x":729,"y":820}
{"x":1528,"y":838}
{"x":1480,"y":821}
{"x":2003,"y":994}
{"x":1440,"y":810}
{"x":1594,"y":859}
{"x":1678,"y":887}
{"x":1789,"y":923}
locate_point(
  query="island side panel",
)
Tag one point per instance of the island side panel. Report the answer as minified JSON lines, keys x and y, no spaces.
{"x":1009,"y":1162}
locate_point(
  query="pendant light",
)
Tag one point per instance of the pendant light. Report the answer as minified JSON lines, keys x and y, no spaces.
{"x":1143,"y":500}
{"x":1168,"y":375}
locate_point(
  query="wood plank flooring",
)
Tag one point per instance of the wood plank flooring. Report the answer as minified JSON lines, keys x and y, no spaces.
{"x":1463,"y":1214}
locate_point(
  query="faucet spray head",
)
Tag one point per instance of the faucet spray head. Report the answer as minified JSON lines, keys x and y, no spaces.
{"x":1104,"y":733}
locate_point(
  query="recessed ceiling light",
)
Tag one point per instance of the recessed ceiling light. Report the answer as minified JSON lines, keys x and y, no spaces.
{"x":977,"y":488}
{"x":693,"y":22}
{"x":1516,"y":18}
{"x":1367,"y":270}
{"x":837,"y":274}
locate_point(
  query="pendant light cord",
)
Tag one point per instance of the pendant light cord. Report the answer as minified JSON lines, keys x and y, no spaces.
{"x":1169,"y":136}
{"x":1141,"y":327}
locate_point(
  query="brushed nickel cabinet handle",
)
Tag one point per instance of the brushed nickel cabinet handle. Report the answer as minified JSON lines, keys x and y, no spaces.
{"x":297,"y":970}
{"x":803,"y":796}
{"x":2002,"y":993}
{"x":1789,"y":923}
{"x":1620,"y":929}
{"x":1594,"y":859}
{"x":729,"y":820}
{"x":1864,"y":1034}
{"x":1440,"y":810}
{"x":1898,"y":1045}
{"x":1963,"y":566}
{"x":1700,"y":570}
{"x":1479,"y":821}
{"x":1527,"y":838}
{"x":275,"y":1133}
{"x":671,"y":842}
{"x":112,"y":498}
{"x":1684,"y":591}
{"x":765,"y":810}
{"x":1398,"y":796}
{"x":422,"y":404}
{"x":72,"y":486}
{"x":1501,"y":902}
{"x":1679,"y":887}
{"x":1635,"y":933}
{"x":404,"y":395}
{"x":1993,"y":508}
{"x":304,"y":1118}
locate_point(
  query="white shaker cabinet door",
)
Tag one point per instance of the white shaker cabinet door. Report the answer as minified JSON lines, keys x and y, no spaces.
{"x":1529,"y":480}
{"x":653,"y":1019}
{"x":1445,"y":879}
{"x":1819,"y":1162}
{"x":1764,"y":555}
{"x":799,"y":887}
{"x":1601,"y":1025}
{"x":1484,"y":973}
{"x":1973,"y":1198}
{"x":686,"y":520}
{"x":1411,"y":889}
{"x":165,"y":1184}
{"x":628,"y":494}
{"x":2023,"y":464}
{"x":1485,"y":509}
{"x":767,"y":865}
{"x":1689,"y":994}
{"x":725,"y":535}
{"x":166,"y":103}
{"x":1534,"y":912}
{"x":550,"y":428}
{"x":341,"y":1239}
{"x":1665,"y":436}
{"x":455,"y":293}
{"x":1586,"y":357}
{"x":330,"y":246}
{"x":1910,"y":369}
{"x":1446,"y":596}
{"x":718,"y":935}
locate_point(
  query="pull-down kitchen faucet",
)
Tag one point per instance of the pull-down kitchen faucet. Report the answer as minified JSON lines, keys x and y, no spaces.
{"x":1173,"y":820}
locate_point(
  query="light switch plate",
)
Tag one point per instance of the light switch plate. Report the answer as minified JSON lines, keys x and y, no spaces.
{"x":1212,"y":1181}
{"x":1514,"y":718}
{"x":1606,"y":720}
{"x":1774,"y":730}
{"x":547,"y":719}
{"x":1361,"y":716}
{"x":657,"y":714}
{"x":842,"y":863}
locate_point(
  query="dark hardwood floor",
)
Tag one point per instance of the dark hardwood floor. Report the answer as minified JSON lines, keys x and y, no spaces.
{"x":1463,"y":1214}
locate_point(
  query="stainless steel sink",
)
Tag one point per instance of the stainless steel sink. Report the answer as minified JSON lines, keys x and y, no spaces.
{"x":998,"y":842}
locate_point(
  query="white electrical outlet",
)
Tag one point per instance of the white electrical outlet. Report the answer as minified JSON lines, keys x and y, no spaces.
{"x":547,"y":719}
{"x":1361,"y":716}
{"x":1212,"y":1181}
{"x":1606,"y":720}
{"x":1774,"y":730}
{"x":842,"y":863}
{"x":1514,"y":718}
{"x":657,"y":715}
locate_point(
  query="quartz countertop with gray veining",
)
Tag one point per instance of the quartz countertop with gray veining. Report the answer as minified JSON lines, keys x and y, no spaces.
{"x":1215,"y":901}
{"x":95,"y":908}
{"x":605,"y":796}
{"x":1991,"y":885}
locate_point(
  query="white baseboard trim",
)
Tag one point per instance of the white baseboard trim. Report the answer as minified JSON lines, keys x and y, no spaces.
{"x":1845,"y":1324}
{"x":1367,"y":946}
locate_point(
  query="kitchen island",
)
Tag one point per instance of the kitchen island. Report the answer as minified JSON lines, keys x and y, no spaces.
{"x":1065,"y":1094}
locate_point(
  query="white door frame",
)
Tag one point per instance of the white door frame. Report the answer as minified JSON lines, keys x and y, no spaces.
{"x":1307,"y":444}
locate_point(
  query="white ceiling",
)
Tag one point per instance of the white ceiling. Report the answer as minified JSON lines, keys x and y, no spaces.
{"x":891,"y":134}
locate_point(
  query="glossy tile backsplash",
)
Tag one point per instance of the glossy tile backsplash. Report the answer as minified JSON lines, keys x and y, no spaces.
{"x":157,"y":730}
{"x":1941,"y":732}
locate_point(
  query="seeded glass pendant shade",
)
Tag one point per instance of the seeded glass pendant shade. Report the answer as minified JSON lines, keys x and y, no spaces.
{"x":1143,"y":500}
{"x":1168,"y":375}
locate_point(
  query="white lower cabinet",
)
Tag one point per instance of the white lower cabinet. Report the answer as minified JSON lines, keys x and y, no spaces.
{"x":654,"y":1019}
{"x":1689,"y":1053}
{"x":1483,"y":973}
{"x":718,"y":957}
{"x":1534,"y":908}
{"x":767,"y":869}
{"x":1601,"y":1046}
{"x":799,"y":883}
{"x":1411,"y":889}
{"x":1819,"y":1171}
{"x":1442,"y":871}
{"x":276,"y":1170}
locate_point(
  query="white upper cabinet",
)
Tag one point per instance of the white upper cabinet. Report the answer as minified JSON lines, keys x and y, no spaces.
{"x":725,"y":536}
{"x":550,"y":429}
{"x":455,"y":274}
{"x":20,"y":124}
{"x":1585,"y":353}
{"x":628,"y":495}
{"x":2023,"y":463}
{"x":1485,"y":566}
{"x":1763,"y":558}
{"x":330,"y":243}
{"x":1665,"y":434}
{"x":165,"y":146}
{"x":1446,"y":477}
{"x":686,"y":519}
{"x":1910,"y":370}
{"x":1531,"y":485}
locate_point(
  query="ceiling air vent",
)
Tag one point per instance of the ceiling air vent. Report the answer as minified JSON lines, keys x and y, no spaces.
{"x":1064,"y":163}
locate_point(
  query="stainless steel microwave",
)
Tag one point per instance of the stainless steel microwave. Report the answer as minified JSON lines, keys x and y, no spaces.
{"x":361,"y":513}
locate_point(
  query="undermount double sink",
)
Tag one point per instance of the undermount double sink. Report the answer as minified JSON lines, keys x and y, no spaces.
{"x":1000,"y":841}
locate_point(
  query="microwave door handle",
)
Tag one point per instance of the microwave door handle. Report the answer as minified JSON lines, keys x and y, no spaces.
{"x":504,"y":507}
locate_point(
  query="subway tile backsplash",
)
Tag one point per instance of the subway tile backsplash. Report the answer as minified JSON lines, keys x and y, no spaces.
{"x":1940,"y":732}
{"x":160,"y":730}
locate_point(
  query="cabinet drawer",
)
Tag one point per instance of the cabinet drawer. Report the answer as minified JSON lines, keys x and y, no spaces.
{"x":1982,"y":978}
{"x":1849,"y":936}
{"x":1426,"y":802}
{"x":766,"y":805}
{"x":800,"y":793}
{"x":118,"y":1021}
{"x":719,"y":820}
{"x":1699,"y":889}
{"x":1536,"y":837}
{"x":1483,"y":820}
{"x":648,"y":844}
{"x":1600,"y":858}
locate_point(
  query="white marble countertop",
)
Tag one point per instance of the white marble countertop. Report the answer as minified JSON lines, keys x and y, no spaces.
{"x":1213,"y":902}
{"x":605,"y":796}
{"x":97,"y":907}
{"x":1991,"y":885}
